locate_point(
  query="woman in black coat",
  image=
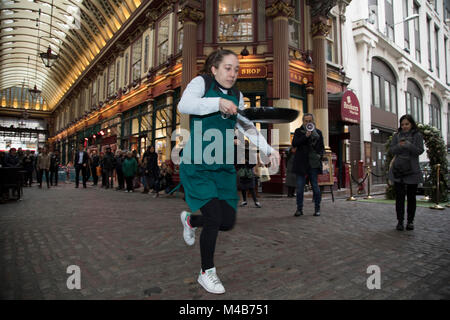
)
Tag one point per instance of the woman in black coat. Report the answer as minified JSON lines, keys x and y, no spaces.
{"x":404,"y":171}
{"x":152,"y":169}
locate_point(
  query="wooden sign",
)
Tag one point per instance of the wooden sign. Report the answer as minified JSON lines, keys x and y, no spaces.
{"x":252,"y":72}
{"x":297,"y":77}
{"x":327,"y":176}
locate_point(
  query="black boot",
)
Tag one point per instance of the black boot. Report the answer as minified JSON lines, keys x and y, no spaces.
{"x":400,"y":226}
{"x":298,"y":213}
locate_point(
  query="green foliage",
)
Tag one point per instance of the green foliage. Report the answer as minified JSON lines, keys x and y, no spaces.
{"x":437,"y":154}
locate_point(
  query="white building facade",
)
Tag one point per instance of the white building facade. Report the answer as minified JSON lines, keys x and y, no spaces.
{"x":396,"y":53}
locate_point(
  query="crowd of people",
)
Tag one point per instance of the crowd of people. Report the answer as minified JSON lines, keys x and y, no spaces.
{"x":122,"y":170}
{"x":125,"y":169}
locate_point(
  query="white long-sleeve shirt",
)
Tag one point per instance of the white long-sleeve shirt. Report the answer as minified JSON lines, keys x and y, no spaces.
{"x":192,"y":102}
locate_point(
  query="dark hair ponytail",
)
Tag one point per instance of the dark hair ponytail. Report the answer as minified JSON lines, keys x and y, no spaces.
{"x":214,"y":59}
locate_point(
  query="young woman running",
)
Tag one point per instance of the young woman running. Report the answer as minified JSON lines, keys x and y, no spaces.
{"x":211,"y":188}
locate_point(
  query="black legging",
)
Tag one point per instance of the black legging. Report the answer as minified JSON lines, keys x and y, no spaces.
{"x":410,"y":193}
{"x":216,"y":215}
{"x":244,"y":195}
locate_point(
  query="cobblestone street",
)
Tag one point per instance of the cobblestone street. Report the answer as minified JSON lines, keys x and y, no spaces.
{"x":130,"y":246}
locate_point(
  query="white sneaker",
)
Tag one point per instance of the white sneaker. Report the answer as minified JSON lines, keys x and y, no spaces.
{"x":188,"y":231}
{"x":210,"y":281}
{"x":126,"y":190}
{"x":244,"y":203}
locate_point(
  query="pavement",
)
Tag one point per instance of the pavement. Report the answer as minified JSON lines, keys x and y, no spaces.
{"x":130,"y":246}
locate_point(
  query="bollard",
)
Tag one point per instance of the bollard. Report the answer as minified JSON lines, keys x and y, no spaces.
{"x":361,"y":176}
{"x":437,"y":206}
{"x":369,"y":172}
{"x":351,"y":198}
{"x":425,"y":197}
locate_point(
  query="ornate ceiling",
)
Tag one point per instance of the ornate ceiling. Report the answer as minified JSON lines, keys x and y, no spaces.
{"x":76,"y":30}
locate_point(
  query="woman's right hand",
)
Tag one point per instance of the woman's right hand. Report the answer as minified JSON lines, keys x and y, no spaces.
{"x":227,"y":106}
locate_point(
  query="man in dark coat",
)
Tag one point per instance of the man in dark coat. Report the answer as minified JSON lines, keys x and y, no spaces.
{"x":308,"y":161}
{"x":109,"y":163}
{"x":55,"y":161}
{"x":28,"y":165}
{"x":81,"y":163}
{"x":152,"y":169}
{"x":120,"y":177}
{"x":95,"y":162}
{"x":12,"y":159}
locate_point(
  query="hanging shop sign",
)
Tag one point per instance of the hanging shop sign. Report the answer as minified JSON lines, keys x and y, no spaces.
{"x":350,"y":107}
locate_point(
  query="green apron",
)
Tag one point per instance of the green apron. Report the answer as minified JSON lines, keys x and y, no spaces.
{"x":202,"y":181}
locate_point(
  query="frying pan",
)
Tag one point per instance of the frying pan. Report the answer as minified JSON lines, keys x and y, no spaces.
{"x":269,"y":114}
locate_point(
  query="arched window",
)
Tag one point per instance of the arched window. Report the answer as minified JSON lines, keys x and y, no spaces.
{"x":414,"y":105}
{"x":118,"y":75}
{"x":136,"y":56}
{"x":125,"y":73}
{"x":384,"y":86}
{"x":163,"y":40}
{"x":435,"y":112}
{"x":111,"y":79}
{"x":295,"y":25}
{"x":180,"y":35}
{"x":146,"y":45}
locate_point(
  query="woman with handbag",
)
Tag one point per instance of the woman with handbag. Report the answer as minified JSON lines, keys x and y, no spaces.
{"x":246,"y":179}
{"x":404,"y":171}
{"x":212,"y":101}
{"x":291,"y":177}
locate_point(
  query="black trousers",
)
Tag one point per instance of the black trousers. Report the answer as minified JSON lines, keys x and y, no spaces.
{"x":41,"y":172}
{"x":217,"y":215}
{"x":28,"y":177}
{"x":129,"y":181}
{"x":408,"y":190}
{"x":291,"y":191}
{"x":79,"y":167}
{"x":94,"y":175}
{"x":109,"y":177}
{"x":54,"y":177}
{"x":244,"y":195}
{"x":120,"y":179}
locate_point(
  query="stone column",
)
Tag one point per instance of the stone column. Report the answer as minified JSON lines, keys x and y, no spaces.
{"x":310,"y":98}
{"x":319,"y":11}
{"x":169,"y":102}
{"x":429,"y":85}
{"x":319,"y":30}
{"x":190,"y":16}
{"x":280,"y":11}
{"x":404,"y":66}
